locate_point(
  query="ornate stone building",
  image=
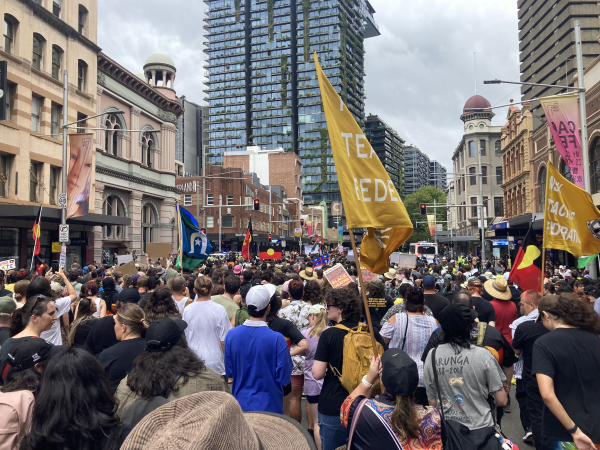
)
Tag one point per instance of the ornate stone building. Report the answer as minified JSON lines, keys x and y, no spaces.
{"x":135,"y":154}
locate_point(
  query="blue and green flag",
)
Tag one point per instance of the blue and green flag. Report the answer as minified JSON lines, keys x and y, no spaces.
{"x":195,"y":246}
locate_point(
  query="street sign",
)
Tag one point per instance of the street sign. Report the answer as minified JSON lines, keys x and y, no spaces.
{"x":297,"y":232}
{"x":56,"y":246}
{"x":63,"y":233}
{"x":62,"y":201}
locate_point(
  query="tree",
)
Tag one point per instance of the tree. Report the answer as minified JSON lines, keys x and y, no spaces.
{"x":425,"y":195}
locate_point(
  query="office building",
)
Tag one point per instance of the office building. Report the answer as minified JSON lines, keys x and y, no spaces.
{"x":416,"y":170}
{"x":547,"y":45}
{"x":389,"y":148}
{"x":437,"y":175}
{"x":188,"y":139}
{"x":262,"y":87}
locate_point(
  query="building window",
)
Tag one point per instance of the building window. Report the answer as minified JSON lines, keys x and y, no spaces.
{"x":111,"y":139}
{"x":34,"y":176}
{"x":482,"y":147}
{"x":210,"y":199}
{"x":543,"y":188}
{"x":473,"y":208}
{"x":498,"y":175}
{"x":81,"y":122}
{"x":228,"y":222}
{"x":565,"y":171}
{"x":484,"y":174}
{"x":4,"y":172}
{"x":210,"y":222}
{"x":10,"y":94}
{"x":114,"y":206}
{"x":498,"y":207}
{"x":149,"y":220}
{"x":230,"y":199}
{"x":36,"y":58}
{"x":54,"y":177}
{"x":147,"y":148}
{"x":473,"y":178}
{"x":36,"y":108}
{"x":55,"y":114}
{"x":187,"y":200}
{"x":498,"y":148}
{"x":81,"y":75}
{"x":471,"y":148}
{"x":56,"y":60}
{"x":56,"y":6}
{"x":83,"y":15}
{"x":594,"y":167}
{"x":10,"y":28}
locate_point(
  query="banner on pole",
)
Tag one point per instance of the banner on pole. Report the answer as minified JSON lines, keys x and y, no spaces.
{"x":79,"y":176}
{"x":431,"y":223}
{"x":562,"y":114}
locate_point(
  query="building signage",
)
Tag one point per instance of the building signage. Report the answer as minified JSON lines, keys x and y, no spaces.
{"x":500,"y":242}
{"x":190,"y":186}
{"x":62,"y":201}
{"x":500,"y":226}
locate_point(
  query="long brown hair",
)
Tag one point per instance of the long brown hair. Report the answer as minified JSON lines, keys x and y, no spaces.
{"x":404,"y":418}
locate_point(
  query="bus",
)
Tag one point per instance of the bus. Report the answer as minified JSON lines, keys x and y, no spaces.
{"x":427,"y":249}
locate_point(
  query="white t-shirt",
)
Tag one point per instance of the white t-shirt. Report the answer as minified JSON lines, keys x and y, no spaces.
{"x":208,"y":325}
{"x":180,"y":303}
{"x":97,"y":313}
{"x":53,"y":336}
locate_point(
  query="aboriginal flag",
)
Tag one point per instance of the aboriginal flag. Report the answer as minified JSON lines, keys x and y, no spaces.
{"x":246,"y":253}
{"x":36,"y":232}
{"x":527,"y":269}
{"x":272,"y":252}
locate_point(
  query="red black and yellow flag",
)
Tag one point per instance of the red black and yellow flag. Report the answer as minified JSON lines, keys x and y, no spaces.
{"x":246,"y":253}
{"x":36,"y":232}
{"x":271,"y":252}
{"x":527,"y":269}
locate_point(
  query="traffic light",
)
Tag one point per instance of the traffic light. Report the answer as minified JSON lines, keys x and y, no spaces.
{"x":223,"y":236}
{"x":203,"y":230}
{"x":423,"y":209}
{"x":269,"y":236}
{"x":256,"y":204}
{"x":301,"y":223}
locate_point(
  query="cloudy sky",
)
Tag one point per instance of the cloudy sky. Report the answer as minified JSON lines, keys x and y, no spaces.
{"x":420,"y":71}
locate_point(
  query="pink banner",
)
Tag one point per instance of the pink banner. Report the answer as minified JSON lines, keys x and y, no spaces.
{"x":562,"y":114}
{"x":79,"y":176}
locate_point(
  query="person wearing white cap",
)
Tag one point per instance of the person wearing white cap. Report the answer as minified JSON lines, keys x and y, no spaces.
{"x":258,"y":358}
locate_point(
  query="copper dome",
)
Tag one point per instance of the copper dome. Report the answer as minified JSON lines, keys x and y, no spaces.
{"x":476,"y":102}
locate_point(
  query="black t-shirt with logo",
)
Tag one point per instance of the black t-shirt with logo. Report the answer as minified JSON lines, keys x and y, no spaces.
{"x":378,"y":307}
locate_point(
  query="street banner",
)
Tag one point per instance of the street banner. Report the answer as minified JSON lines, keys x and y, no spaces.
{"x":7,"y":264}
{"x":369,"y":196}
{"x":431,"y":223}
{"x":79,"y":176}
{"x":337,"y":276}
{"x":321,"y":261}
{"x":404,"y":260}
{"x":571,"y":220}
{"x":368,"y":276}
{"x":562,"y":114}
{"x":195,"y":246}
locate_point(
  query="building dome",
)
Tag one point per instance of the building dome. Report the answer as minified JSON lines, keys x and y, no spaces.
{"x":477,"y":101}
{"x":159,"y":58}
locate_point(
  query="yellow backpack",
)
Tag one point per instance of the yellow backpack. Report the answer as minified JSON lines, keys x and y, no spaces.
{"x":357,"y":350}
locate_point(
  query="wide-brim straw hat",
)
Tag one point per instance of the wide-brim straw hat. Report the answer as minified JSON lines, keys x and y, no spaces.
{"x":391,"y":275}
{"x":308,"y":274}
{"x":498,"y":289}
{"x":214,"y":420}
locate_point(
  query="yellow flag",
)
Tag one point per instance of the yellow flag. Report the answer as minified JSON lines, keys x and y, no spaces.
{"x":369,"y":196}
{"x":571,"y":220}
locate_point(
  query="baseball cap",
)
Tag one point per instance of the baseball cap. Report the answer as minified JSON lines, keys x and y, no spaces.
{"x":474,"y":281}
{"x":399,"y":374}
{"x":135,"y":278}
{"x":448,"y":276}
{"x":456,"y":319}
{"x":31,"y":350}
{"x":316,"y":309}
{"x":260,"y":296}
{"x":163,"y":334}
{"x":7,"y":305}
{"x":428,"y":281}
{"x":129,"y":295}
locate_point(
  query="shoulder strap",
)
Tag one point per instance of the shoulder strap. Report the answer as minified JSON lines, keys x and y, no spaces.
{"x":354,"y":422}
{"x":405,"y":332}
{"x":437,"y":385}
{"x":341,"y":327}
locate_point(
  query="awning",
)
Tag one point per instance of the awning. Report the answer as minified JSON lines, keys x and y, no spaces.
{"x":49,"y":214}
{"x":524,"y":220}
{"x":458,"y":239}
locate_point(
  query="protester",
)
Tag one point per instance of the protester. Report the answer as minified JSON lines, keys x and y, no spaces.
{"x":506,"y":311}
{"x":232,"y":288}
{"x":161,"y":304}
{"x":258,"y":358}
{"x":90,"y":291}
{"x":485,"y":311}
{"x":433,"y":300}
{"x":378,"y":302}
{"x":82,"y":325}
{"x":7,"y":308}
{"x":109,"y":291}
{"x":410,"y":332}
{"x":150,"y":284}
{"x":20,"y":294}
{"x":391,"y":420}
{"x":178,"y":286}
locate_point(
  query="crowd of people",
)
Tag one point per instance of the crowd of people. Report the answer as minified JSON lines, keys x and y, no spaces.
{"x":223,"y":356}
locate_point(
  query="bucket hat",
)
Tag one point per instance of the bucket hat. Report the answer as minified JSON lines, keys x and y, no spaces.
{"x":498,"y":289}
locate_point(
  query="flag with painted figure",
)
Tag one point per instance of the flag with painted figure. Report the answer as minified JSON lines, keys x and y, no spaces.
{"x":195,"y":246}
{"x":571,"y":220}
{"x":369,"y":196}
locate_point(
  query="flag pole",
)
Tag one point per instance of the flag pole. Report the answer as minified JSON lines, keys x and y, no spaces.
{"x":543,"y":267}
{"x":364,"y":294}
{"x":180,"y":236}
{"x":36,"y":238}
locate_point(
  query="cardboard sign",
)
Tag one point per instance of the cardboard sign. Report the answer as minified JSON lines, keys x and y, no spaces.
{"x":337,"y":276}
{"x":351,"y":255}
{"x":404,"y":260}
{"x":7,"y":264}
{"x":368,"y":276}
{"x":157,"y":250}
{"x":122,"y":259}
{"x":128,"y":269}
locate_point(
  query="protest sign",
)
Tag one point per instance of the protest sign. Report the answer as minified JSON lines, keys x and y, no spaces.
{"x":124,"y":259}
{"x":158,"y":250}
{"x":337,"y":276}
{"x":351,"y":255}
{"x":368,"y":276}
{"x":404,"y":260}
{"x":128,"y":268}
{"x":7,"y":264}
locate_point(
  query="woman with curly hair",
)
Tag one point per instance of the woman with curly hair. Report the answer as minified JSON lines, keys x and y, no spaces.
{"x":161,"y":304}
{"x":344,"y":310}
{"x":566,"y":363}
{"x":312,"y":293}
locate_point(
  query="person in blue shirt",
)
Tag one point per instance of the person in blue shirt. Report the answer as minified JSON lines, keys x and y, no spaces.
{"x":258,"y":358}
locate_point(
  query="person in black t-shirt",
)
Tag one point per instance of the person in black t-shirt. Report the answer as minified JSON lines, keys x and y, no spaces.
{"x":342,"y":308}
{"x":379,"y":303}
{"x":485,"y":310}
{"x":566,"y":363}
{"x":434,"y":301}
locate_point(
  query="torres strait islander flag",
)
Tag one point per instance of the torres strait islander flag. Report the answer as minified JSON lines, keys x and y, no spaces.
{"x":527,"y":268}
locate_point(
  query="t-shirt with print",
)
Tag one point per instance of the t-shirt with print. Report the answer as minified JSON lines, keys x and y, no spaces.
{"x":53,"y":335}
{"x":466,"y":379}
{"x":378,"y":307}
{"x":208,"y":325}
{"x":571,"y":357}
{"x":297,"y":313}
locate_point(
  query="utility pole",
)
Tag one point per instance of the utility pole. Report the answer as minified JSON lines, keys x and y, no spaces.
{"x":476,"y":144}
{"x":204,"y":188}
{"x":65,"y":156}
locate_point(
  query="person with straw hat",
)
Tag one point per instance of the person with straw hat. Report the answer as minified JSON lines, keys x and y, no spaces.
{"x":506,"y":311}
{"x":308,"y":274}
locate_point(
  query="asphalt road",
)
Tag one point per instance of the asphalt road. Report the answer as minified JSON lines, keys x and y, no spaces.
{"x":511,"y":423}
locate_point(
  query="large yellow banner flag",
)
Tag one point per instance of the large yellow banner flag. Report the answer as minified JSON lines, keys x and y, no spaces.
{"x":571,"y":220}
{"x":370,"y":198}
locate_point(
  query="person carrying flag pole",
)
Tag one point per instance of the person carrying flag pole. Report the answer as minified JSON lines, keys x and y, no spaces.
{"x":36,"y":231}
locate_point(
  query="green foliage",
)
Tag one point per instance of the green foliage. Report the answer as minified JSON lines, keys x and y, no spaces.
{"x":425,"y":195}
{"x":270,"y":5}
{"x":237,"y":4}
{"x":284,"y":80}
{"x":306,"y":20}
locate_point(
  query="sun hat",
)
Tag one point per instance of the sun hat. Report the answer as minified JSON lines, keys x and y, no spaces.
{"x":316,"y":309}
{"x":237,"y":269}
{"x":399,"y":374}
{"x":391,"y":274}
{"x":215,"y":420}
{"x":260,"y":295}
{"x":7,"y":305}
{"x":308,"y":274}
{"x":56,"y":288}
{"x":498,"y":289}
{"x":164,"y":333}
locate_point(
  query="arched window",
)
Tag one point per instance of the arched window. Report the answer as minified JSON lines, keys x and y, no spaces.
{"x":542,"y":181}
{"x":82,"y":20}
{"x":37,"y":54}
{"x":111,"y":138}
{"x":595,"y":166}
{"x":147,"y":148}
{"x":114,"y":206}
{"x":9,"y":33}
{"x":565,"y":171}
{"x":57,"y":54}
{"x":149,"y":223}
{"x":81,"y":75}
